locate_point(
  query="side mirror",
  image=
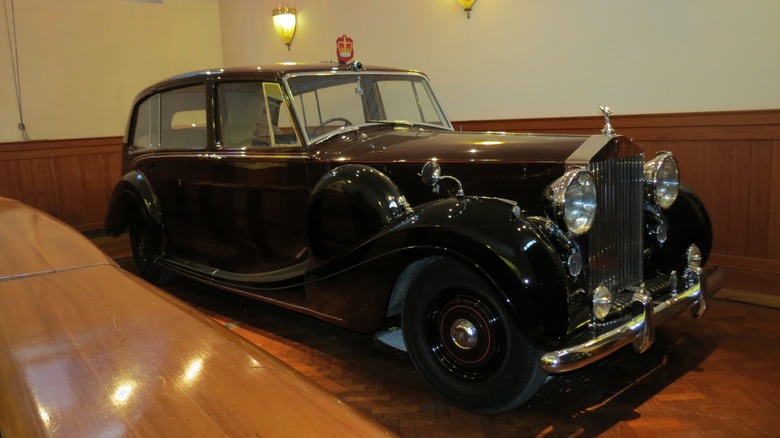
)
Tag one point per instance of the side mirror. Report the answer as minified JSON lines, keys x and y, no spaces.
{"x":431,"y":176}
{"x":431,"y":173}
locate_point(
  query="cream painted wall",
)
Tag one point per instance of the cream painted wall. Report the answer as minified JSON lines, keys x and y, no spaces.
{"x":83,"y":61}
{"x":541,"y":58}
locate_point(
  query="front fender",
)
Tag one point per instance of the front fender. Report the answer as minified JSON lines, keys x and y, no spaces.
{"x":689,"y":224}
{"x":132,"y":191}
{"x":510,"y":252}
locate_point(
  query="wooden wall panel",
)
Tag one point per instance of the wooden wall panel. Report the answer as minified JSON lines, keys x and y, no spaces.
{"x":774,"y":204}
{"x":730,"y":159}
{"x":70,"y":179}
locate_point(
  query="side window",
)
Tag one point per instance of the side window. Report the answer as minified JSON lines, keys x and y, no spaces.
{"x":182,"y":116}
{"x":254,"y":114}
{"x":146,"y":133}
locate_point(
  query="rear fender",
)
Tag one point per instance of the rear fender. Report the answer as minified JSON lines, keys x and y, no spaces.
{"x":132,"y":191}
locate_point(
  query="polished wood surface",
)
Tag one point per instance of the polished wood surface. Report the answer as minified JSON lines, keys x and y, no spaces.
{"x":34,"y":243}
{"x":88,"y":349}
{"x":730,"y":159}
{"x":713,"y":377}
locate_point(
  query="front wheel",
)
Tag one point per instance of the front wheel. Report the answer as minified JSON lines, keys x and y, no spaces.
{"x":462,"y":341}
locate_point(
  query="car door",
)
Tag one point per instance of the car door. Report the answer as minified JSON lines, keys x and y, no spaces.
{"x":178,"y":168}
{"x":260,"y":185}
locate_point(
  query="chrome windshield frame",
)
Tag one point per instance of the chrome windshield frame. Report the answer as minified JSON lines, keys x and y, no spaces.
{"x":309,"y":140}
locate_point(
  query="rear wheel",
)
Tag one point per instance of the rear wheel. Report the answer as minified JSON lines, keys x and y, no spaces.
{"x":462,"y":341}
{"x":147,"y":246}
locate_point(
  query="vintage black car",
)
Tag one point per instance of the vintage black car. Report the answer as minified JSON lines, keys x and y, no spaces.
{"x":343,"y":192}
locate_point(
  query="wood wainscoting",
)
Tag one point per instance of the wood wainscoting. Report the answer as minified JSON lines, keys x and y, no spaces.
{"x":69,"y":179}
{"x":730,"y":159}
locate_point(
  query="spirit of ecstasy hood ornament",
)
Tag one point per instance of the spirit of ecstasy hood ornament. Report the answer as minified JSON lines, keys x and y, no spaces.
{"x":607,"y":126}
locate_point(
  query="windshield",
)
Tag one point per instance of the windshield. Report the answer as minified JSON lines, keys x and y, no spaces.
{"x":325,"y":103}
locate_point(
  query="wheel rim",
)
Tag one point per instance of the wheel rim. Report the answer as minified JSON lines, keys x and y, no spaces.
{"x":465,"y":336}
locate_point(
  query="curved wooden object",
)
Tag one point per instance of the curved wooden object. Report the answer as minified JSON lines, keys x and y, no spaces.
{"x":87,"y":349}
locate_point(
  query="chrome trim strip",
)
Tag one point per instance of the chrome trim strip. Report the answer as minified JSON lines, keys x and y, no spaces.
{"x":184,"y":266}
{"x":446,"y":122}
{"x":640,"y":330}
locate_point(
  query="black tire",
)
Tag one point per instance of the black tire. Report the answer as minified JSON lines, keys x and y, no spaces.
{"x":146,"y":245}
{"x":463,"y":342}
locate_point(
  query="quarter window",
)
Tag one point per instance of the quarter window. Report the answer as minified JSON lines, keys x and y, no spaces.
{"x":173,"y":119}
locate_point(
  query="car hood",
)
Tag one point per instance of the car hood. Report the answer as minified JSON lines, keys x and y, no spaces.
{"x":510,"y":166}
{"x":412,"y":145}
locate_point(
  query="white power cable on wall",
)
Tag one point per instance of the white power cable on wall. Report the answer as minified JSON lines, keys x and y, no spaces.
{"x":14,"y":51}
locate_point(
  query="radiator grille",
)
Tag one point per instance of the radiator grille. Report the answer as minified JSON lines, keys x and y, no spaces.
{"x":615,"y":240}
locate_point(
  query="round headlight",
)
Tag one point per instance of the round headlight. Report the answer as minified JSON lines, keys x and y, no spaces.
{"x":580,"y":203}
{"x":662,"y":179}
{"x":573,"y":200}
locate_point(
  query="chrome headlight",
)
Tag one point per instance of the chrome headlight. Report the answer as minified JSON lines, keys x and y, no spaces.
{"x":572,"y":198}
{"x":662,"y":179}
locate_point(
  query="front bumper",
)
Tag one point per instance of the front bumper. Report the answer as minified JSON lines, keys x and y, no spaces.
{"x":638,"y":330}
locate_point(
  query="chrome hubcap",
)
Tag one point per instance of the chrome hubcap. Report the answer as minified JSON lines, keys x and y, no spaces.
{"x":463,"y":334}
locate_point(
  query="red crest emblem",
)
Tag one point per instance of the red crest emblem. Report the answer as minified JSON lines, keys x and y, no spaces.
{"x":344,"y":49}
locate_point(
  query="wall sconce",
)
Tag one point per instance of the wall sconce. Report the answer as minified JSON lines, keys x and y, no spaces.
{"x":467,"y":4}
{"x":284,"y":22}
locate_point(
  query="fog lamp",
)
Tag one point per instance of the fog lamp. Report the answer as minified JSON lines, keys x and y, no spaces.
{"x":602,"y":302}
{"x":694,"y":257}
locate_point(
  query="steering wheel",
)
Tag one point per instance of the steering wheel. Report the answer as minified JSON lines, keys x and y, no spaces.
{"x":320,"y":129}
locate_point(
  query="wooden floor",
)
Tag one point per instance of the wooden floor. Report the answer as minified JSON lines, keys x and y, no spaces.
{"x":716,"y":377}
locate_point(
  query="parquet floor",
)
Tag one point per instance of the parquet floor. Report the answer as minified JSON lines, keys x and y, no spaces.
{"x":716,"y":377}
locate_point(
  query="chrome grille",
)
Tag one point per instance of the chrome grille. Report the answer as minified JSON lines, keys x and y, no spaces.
{"x":615,"y":240}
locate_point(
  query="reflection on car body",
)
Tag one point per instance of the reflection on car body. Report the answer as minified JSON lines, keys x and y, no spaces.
{"x":514,"y":256}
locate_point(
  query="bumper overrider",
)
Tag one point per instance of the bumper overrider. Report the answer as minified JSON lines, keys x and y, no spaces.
{"x":639,"y":327}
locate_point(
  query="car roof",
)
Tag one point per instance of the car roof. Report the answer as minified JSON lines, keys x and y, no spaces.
{"x":264,"y":72}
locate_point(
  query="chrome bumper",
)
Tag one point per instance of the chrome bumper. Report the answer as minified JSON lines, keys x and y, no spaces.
{"x":639,"y":330}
